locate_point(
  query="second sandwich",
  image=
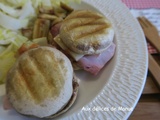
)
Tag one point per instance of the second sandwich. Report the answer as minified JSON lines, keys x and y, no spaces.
{"x":87,"y":38}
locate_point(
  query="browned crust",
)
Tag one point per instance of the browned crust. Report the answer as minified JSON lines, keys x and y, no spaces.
{"x":23,"y":80}
{"x":82,"y":31}
{"x":71,"y":101}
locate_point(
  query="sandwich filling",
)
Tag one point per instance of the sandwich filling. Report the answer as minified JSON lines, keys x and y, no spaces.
{"x":87,"y":38}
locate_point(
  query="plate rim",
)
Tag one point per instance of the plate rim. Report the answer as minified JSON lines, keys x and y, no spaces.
{"x":81,"y":114}
{"x":115,"y":115}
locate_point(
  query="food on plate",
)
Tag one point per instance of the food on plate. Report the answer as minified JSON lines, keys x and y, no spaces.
{"x":41,"y":83}
{"x":10,"y":41}
{"x":87,"y":37}
{"x":41,"y":28}
{"x":27,"y":20}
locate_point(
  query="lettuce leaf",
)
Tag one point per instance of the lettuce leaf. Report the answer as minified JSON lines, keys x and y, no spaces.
{"x":9,"y":10}
{"x":16,"y":3}
{"x":7,"y":52}
{"x":6,"y":62}
{"x":2,"y":48}
{"x":11,"y":37}
{"x":12,"y":23}
{"x":13,"y":18}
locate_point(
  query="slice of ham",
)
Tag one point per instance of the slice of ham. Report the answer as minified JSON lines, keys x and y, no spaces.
{"x":94,"y":63}
{"x":6,"y":104}
{"x":55,"y":29}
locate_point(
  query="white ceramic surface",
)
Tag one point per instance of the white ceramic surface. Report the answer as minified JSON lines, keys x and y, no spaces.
{"x":114,"y":92}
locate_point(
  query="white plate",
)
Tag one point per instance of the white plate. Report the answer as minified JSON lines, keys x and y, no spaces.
{"x":114,"y":93}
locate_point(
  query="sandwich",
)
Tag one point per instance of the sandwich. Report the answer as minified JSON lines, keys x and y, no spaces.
{"x":86,"y":37}
{"x":42,"y":83}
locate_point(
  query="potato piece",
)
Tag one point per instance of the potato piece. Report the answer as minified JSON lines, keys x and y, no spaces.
{"x":66,"y":7}
{"x":46,"y":10}
{"x":48,"y":16}
{"x":41,"y":28}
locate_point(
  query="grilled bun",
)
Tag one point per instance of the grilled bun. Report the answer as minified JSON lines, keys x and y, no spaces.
{"x":40,"y":82}
{"x":86,"y":32}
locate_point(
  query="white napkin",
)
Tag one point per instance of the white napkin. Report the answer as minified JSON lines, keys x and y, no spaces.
{"x":152,"y":15}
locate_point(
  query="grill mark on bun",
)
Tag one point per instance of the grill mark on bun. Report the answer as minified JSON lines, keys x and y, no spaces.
{"x":73,"y":23}
{"x":80,"y":17}
{"x":35,"y":79}
{"x":86,"y":32}
{"x":48,"y":56}
{"x":88,"y":25}
{"x":23,"y":85}
{"x":53,"y":86}
{"x":82,"y":14}
{"x":25,"y":75}
{"x":39,"y":67}
{"x":98,"y":30}
{"x":20,"y":86}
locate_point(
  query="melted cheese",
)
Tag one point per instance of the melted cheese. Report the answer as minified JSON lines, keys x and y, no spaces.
{"x":76,"y":56}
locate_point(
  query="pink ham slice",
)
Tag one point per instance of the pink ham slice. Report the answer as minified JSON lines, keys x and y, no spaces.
{"x":95,"y":63}
{"x":55,"y":29}
{"x":6,"y":103}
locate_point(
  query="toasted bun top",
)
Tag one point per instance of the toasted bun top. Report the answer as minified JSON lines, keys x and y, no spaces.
{"x":86,"y":32}
{"x":40,"y":82}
